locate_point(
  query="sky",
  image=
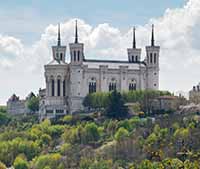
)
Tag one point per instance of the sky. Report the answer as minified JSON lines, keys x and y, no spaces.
{"x":29,"y":29}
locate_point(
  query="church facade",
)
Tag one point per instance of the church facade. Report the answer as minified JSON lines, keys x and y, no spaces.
{"x":68,"y":83}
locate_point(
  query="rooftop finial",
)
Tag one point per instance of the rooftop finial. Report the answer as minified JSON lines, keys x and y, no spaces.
{"x":134,"y":39}
{"x":152,"y":36}
{"x":59,"y":39}
{"x":76,"y":33}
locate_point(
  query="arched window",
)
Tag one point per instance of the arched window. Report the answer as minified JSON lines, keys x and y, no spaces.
{"x":74,"y":55}
{"x":155,"y":58}
{"x":136,"y":58}
{"x":64,"y":89}
{"x":92,"y":85}
{"x":132,"y":58}
{"x":78,"y":55}
{"x":57,"y":55}
{"x":58,"y":87}
{"x":61,"y":56}
{"x":113,"y":85}
{"x":52,"y":87}
{"x":151,"y":58}
{"x":132,"y":85}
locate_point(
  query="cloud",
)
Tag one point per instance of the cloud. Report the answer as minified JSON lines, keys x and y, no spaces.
{"x":177,"y":32}
{"x":10,"y":49}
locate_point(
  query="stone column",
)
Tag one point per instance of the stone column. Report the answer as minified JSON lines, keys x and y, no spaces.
{"x":61,"y":87}
{"x":123,"y":78}
{"x":48,"y":88}
{"x":56,"y":87}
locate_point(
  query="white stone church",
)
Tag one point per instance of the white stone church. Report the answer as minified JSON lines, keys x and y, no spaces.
{"x":68,"y":83}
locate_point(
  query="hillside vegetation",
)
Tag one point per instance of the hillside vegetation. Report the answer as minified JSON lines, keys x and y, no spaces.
{"x":101,"y":140}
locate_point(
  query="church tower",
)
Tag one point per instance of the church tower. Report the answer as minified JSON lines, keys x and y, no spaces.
{"x":59,"y":51}
{"x":76,"y":49}
{"x":134,"y":53}
{"x":152,"y":61}
{"x":76,"y":73}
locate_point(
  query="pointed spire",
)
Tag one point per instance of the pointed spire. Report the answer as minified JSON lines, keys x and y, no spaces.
{"x":59,"y":38}
{"x":76,"y":33}
{"x":134,"y":39}
{"x":152,"y":36}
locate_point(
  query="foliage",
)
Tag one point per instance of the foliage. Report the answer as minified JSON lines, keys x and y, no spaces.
{"x":89,"y":164}
{"x":141,"y":97}
{"x":52,"y":161}
{"x":3,"y":109}
{"x":116,"y":108}
{"x":165,"y":141}
{"x":2,"y":166}
{"x":21,"y":163}
{"x":121,"y":134}
{"x":33,"y":103}
{"x":4,"y":119}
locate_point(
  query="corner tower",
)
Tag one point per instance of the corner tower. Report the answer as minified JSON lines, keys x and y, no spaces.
{"x":134,"y":54}
{"x":59,"y":51}
{"x":152,"y":61}
{"x":76,"y":49}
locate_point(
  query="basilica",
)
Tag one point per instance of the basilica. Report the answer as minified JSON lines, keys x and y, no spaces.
{"x":68,"y":83}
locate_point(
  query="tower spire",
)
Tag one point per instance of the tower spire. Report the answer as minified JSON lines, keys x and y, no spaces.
{"x":152,"y":36}
{"x":59,"y":38}
{"x":76,"y":33}
{"x":134,"y":39}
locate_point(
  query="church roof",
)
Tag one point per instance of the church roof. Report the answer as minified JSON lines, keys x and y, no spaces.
{"x":112,"y":64}
{"x":56,"y":62}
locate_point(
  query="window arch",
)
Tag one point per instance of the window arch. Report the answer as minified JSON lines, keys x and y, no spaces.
{"x":64,"y":88}
{"x":57,"y":55}
{"x":92,"y":85}
{"x":58,"y":85}
{"x":52,"y":87}
{"x":136,"y":58}
{"x":132,"y":84}
{"x":78,"y":55}
{"x":155,"y":58}
{"x":151,"y":58}
{"x":113,"y":84}
{"x":61,"y":56}
{"x":74,"y":55}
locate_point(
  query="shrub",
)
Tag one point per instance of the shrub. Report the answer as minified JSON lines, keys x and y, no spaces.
{"x":121,"y":134}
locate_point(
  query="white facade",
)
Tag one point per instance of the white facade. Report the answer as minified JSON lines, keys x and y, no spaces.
{"x":68,"y":83}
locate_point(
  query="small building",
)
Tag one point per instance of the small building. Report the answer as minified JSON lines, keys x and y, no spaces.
{"x":194,"y":94}
{"x":165,"y":103}
{"x":16,"y":106}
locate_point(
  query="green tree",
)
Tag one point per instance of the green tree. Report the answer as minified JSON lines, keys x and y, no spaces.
{"x":21,"y":163}
{"x":121,"y":134}
{"x":90,"y":133}
{"x":46,"y":139}
{"x":116,"y":108}
{"x":3,"y":109}
{"x":146,"y":164}
{"x":33,"y":103}
{"x":4,"y":119}
{"x":52,"y":161}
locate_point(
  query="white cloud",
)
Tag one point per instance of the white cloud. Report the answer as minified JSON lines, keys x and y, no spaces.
{"x":177,"y":32}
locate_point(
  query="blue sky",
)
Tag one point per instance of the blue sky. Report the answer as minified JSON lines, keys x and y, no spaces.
{"x":26,"y":19}
{"x":29,"y":28}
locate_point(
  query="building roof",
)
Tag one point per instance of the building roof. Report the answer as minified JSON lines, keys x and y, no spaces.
{"x":13,"y":98}
{"x":112,"y":64}
{"x":167,"y":97}
{"x":56,"y":62}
